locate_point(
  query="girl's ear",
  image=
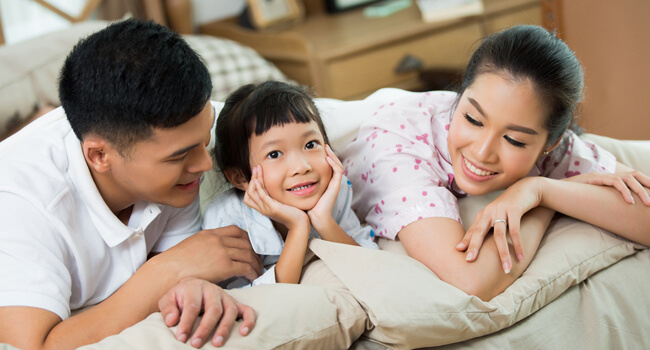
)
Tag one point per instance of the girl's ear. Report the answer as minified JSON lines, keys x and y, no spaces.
{"x":236,"y":178}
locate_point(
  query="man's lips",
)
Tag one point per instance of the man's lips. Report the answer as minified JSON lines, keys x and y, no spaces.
{"x":190,"y":185}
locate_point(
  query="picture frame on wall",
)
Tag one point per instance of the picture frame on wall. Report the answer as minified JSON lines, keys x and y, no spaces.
{"x":334,"y":6}
{"x":265,"y":14}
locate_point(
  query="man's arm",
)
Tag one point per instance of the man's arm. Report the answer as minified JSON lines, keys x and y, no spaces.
{"x":213,"y":255}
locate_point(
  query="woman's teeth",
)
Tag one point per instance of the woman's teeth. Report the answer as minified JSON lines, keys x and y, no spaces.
{"x":479,"y":172}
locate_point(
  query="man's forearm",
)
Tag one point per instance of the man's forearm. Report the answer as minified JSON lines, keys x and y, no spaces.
{"x":133,"y":302}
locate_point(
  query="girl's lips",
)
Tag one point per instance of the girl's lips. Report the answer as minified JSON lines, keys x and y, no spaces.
{"x":471,"y":171}
{"x":303,"y":189}
{"x":190,"y":186}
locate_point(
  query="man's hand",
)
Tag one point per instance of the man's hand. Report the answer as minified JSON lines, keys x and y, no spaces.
{"x":183,"y":304}
{"x":213,"y":255}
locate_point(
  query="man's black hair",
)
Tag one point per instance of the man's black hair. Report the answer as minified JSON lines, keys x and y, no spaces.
{"x":130,"y":78}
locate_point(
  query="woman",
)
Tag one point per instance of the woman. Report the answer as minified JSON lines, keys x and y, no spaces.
{"x":508,"y":128}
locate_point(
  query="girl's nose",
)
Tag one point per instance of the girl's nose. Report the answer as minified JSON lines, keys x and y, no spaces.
{"x":300,"y":165}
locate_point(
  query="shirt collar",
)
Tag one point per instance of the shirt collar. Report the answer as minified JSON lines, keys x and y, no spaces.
{"x":112,"y":230}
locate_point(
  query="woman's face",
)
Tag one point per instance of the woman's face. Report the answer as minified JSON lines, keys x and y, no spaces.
{"x":496,"y":134}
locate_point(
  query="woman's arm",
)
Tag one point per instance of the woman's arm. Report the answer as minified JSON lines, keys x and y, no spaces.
{"x":603,"y":206}
{"x":432,"y":241}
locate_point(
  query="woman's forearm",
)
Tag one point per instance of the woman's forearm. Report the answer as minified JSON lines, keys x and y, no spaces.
{"x":431,"y":241}
{"x":602,"y":206}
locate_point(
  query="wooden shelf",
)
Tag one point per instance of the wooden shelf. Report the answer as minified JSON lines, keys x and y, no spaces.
{"x":347,"y":55}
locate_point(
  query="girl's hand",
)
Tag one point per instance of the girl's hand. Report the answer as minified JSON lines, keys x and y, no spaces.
{"x":192,"y":296}
{"x":321,"y":214}
{"x":504,"y":216}
{"x":258,"y":198}
{"x":624,"y":182}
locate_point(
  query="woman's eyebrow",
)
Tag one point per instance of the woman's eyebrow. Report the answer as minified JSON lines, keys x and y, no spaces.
{"x":513,"y":127}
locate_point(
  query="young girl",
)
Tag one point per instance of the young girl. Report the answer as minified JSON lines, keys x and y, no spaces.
{"x":506,"y":129}
{"x":272,"y":147}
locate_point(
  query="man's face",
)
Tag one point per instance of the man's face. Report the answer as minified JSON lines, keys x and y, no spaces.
{"x":167,"y":167}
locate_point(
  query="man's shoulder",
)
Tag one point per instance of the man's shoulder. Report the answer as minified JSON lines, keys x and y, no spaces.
{"x":35,"y":161}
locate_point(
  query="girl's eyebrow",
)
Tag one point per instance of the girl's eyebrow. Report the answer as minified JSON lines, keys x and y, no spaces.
{"x":274,"y":142}
{"x":513,"y":127}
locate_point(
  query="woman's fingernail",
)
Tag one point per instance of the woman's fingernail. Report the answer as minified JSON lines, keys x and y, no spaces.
{"x":520,"y":257}
{"x":460,"y":245}
{"x":469,"y":256}
{"x":506,"y":267}
{"x":168,"y":319}
{"x":245,"y":330}
{"x":182,"y":337}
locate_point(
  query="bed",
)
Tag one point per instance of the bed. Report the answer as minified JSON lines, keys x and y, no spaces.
{"x":586,"y":288}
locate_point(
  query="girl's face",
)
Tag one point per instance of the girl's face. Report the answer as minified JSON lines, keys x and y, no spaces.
{"x":294,"y":163}
{"x":496,"y":134}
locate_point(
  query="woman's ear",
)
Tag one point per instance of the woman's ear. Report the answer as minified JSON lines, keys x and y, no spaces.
{"x":548,"y":150}
{"x":236,"y":178}
{"x":95,"y":152}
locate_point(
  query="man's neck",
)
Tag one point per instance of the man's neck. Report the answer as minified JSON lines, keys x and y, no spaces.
{"x":112,"y":195}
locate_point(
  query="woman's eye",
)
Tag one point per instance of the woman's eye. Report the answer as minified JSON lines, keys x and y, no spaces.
{"x":514,"y":142}
{"x":274,"y":154}
{"x":311,"y":145}
{"x":472,"y":120}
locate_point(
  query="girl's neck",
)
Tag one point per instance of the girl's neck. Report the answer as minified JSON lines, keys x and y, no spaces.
{"x":281,"y":229}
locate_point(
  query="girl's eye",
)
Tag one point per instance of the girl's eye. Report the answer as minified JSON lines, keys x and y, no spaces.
{"x":472,"y":120}
{"x":311,"y":144}
{"x":274,"y":154}
{"x":514,"y":142}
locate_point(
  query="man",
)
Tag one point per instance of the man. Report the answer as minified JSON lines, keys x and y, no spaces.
{"x":100,"y":198}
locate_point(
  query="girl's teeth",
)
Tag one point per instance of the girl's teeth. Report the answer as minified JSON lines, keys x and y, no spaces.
{"x":479,"y":172}
{"x":299,"y":188}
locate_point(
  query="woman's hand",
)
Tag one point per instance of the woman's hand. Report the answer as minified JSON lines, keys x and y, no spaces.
{"x":321,"y":214}
{"x":258,"y":198}
{"x":504,"y":216}
{"x":183,"y":304}
{"x":625,"y":182}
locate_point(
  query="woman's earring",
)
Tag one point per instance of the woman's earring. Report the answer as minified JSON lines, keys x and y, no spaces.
{"x":545,"y":153}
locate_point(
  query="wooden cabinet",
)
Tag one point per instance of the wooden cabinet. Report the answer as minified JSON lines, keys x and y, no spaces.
{"x":348,"y":56}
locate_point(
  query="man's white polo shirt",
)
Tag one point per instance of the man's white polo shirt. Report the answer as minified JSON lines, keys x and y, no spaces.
{"x":61,"y":247}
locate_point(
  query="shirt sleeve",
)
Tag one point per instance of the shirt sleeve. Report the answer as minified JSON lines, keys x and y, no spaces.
{"x":394,"y":164}
{"x":575,"y":156}
{"x":347,"y":219}
{"x":33,"y":258}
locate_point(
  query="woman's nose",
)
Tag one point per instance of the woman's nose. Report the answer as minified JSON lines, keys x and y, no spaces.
{"x":485,"y":148}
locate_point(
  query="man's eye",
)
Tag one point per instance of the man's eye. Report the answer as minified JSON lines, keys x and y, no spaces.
{"x":472,"y":120}
{"x":274,"y":154}
{"x":179,"y":159}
